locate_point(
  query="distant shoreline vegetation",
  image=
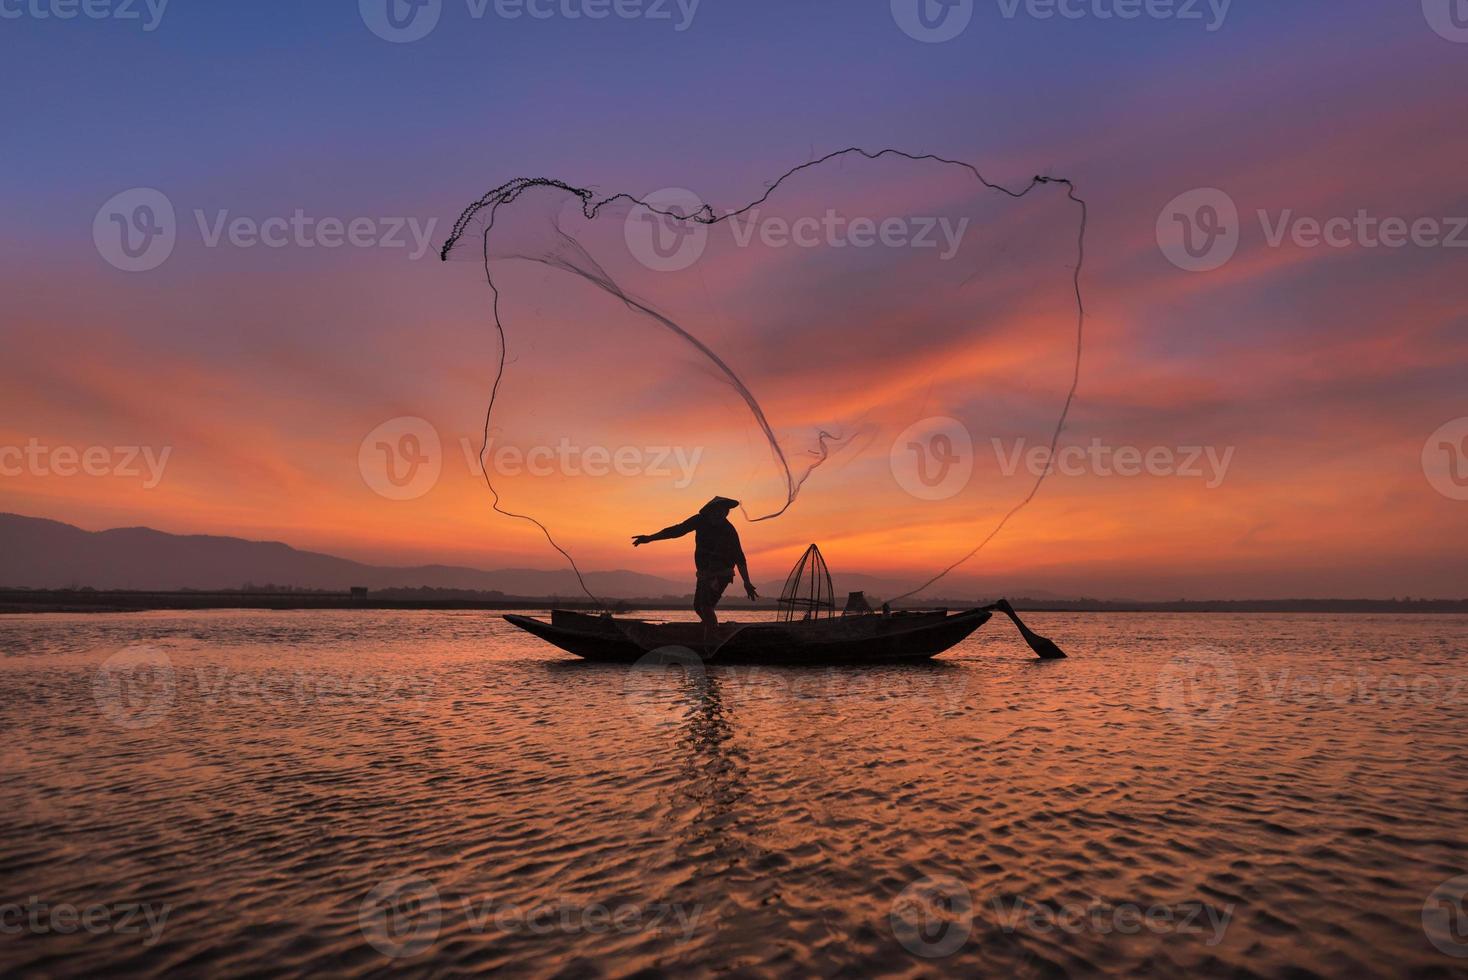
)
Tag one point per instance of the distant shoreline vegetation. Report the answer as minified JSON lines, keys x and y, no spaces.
{"x":83,"y":599}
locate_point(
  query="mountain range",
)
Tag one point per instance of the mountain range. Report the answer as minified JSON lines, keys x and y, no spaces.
{"x":43,"y":554}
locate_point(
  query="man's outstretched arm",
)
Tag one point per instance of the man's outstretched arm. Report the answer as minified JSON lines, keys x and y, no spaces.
{"x":667,"y":533}
{"x":743,"y":567}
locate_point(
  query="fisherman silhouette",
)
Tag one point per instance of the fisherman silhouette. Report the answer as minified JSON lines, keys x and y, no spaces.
{"x":716,"y":554}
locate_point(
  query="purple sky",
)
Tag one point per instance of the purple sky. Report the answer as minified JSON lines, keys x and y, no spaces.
{"x":1329,"y":373}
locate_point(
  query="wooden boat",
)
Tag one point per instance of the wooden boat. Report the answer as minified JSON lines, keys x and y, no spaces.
{"x":863,"y":639}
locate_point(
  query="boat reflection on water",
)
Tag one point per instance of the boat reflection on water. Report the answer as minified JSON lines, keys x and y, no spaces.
{"x":673,"y":690}
{"x":754,"y":820}
{"x":718,"y":831}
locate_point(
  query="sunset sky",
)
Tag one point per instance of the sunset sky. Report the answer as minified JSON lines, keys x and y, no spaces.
{"x":1311,"y":378}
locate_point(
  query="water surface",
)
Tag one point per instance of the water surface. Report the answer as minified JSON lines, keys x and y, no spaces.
{"x":435,"y":793}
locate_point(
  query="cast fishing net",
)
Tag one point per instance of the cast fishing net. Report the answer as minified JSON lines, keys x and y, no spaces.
{"x":656,"y":349}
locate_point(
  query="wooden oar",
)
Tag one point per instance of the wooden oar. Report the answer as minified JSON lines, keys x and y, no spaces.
{"x":1044,"y":647}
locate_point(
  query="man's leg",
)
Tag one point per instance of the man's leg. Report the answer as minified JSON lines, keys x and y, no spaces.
{"x":704,"y":602}
{"x":706,"y":596}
